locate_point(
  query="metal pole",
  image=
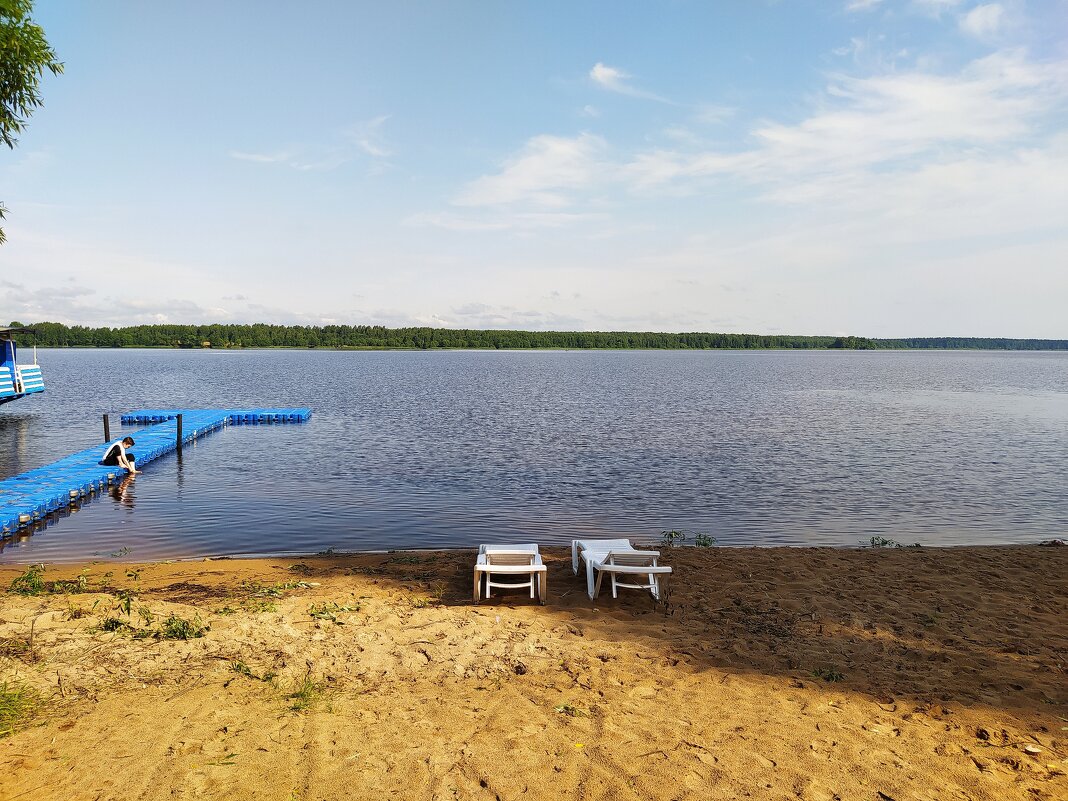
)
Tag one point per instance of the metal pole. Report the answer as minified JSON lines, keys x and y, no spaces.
{"x":107,"y":429}
{"x":179,"y":442}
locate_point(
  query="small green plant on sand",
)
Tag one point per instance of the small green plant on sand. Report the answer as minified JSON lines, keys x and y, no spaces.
{"x":308,"y":693}
{"x":78,"y":585}
{"x":179,"y":628}
{"x":704,"y":540}
{"x":881,"y":542}
{"x":114,"y":624}
{"x":239,"y":667}
{"x":16,"y":649}
{"x":828,"y":674}
{"x":31,"y":582}
{"x":325,"y":611}
{"x":669,"y":539}
{"x":569,"y":711}
{"x":124,"y":602}
{"x":18,"y":703}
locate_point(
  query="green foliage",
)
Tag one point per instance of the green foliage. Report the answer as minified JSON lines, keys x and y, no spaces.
{"x":241,"y":668}
{"x":79,"y":585}
{"x":25,"y":55}
{"x":31,"y":582}
{"x":115,"y":624}
{"x":886,"y":542}
{"x":853,"y":343}
{"x":125,"y":602}
{"x":179,"y":628}
{"x":261,"y":335}
{"x":325,"y":611}
{"x":704,"y":540}
{"x":567,"y":710}
{"x":669,"y":539}
{"x":307,"y":695}
{"x":828,"y":674}
{"x":18,"y":703}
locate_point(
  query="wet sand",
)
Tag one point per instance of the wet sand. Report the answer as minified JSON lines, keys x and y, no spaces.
{"x":767,"y":673}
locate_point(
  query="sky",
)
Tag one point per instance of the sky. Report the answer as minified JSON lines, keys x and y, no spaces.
{"x":872,"y":167}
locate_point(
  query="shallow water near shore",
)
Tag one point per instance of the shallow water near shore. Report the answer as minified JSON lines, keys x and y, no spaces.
{"x":449,"y":449}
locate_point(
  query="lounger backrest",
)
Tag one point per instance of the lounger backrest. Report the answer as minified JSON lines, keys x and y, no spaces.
{"x":632,"y":558}
{"x":608,"y":545}
{"x":505,"y":558}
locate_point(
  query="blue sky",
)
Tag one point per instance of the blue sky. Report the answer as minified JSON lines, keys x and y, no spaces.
{"x":876,"y":167}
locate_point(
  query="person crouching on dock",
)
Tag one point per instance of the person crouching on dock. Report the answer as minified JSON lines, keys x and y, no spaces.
{"x":116,"y":455}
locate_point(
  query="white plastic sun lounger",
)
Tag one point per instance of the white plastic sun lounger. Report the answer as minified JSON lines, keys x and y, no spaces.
{"x":510,"y":560}
{"x":617,"y":558}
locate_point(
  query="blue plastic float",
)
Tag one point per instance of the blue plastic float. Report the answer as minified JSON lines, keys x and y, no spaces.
{"x":28,"y":497}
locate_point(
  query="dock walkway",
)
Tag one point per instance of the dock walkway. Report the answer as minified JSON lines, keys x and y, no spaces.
{"x":27,"y":498}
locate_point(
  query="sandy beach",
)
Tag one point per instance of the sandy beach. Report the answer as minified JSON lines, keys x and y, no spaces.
{"x":883,"y":674}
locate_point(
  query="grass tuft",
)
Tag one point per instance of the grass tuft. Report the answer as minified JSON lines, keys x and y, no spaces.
{"x":31,"y":582}
{"x":325,"y":611}
{"x":828,"y":674}
{"x":179,"y":628}
{"x":18,"y":705}
{"x":307,"y":695}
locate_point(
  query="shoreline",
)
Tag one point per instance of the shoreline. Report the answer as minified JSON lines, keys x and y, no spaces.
{"x":777,"y":672}
{"x":119,"y":558}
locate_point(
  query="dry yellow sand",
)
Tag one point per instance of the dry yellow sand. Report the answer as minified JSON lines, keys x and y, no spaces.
{"x":951,"y":671}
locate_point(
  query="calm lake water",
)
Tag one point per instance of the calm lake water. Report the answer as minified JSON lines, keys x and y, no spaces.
{"x":443,"y":449}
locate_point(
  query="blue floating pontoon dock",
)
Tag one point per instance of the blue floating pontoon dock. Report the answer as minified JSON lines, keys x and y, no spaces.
{"x":27,"y":498}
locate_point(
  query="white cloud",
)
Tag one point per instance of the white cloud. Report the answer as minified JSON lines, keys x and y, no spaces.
{"x":501,"y":220}
{"x":369,"y":138}
{"x":364,"y":137}
{"x":609,"y":77}
{"x":543,"y":174}
{"x":712,"y":114}
{"x":983,"y":21}
{"x":882,"y":121}
{"x":862,"y":5}
{"x":307,"y":159}
{"x":935,"y":8}
{"x":616,"y":80}
{"x":278,"y":157}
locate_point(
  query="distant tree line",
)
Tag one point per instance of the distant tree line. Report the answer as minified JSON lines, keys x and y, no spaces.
{"x":261,"y":335}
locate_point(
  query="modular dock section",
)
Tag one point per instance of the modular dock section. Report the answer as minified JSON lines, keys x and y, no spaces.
{"x":27,"y":498}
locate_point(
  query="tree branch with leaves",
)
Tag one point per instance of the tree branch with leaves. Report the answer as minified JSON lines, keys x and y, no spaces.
{"x":25,"y":56}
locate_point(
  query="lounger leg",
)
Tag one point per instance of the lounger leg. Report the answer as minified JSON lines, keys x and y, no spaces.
{"x":478,"y":586}
{"x":532,"y":580}
{"x":574,"y":557}
{"x":589,"y":580}
{"x":597,"y":587}
{"x":544,"y":580}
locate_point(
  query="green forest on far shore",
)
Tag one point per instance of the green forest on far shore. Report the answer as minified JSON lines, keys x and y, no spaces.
{"x":261,"y":335}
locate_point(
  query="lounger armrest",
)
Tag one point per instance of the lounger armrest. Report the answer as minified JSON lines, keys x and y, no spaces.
{"x":605,"y":567}
{"x":483,"y":567}
{"x":525,"y":558}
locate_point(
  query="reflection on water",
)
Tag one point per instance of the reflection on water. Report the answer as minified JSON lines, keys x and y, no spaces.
{"x":123,"y":492}
{"x":441,"y":449}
